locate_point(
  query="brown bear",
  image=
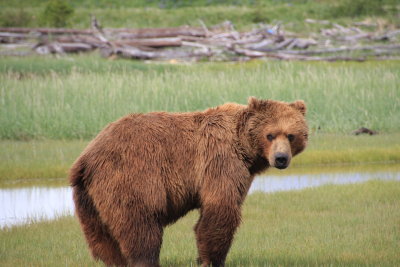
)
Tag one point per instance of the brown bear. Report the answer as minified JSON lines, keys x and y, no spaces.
{"x":145,"y":171}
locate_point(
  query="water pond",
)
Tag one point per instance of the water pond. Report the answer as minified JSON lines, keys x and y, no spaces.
{"x":19,"y":205}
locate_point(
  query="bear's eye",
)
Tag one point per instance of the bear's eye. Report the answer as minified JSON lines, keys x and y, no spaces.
{"x":270,"y":137}
{"x":290,"y":137}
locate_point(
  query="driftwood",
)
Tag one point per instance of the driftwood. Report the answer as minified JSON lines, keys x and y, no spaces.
{"x":61,"y":48}
{"x":156,"y":32}
{"x":136,"y":53}
{"x":393,"y":47}
{"x":221,"y":42}
{"x":151,"y":42}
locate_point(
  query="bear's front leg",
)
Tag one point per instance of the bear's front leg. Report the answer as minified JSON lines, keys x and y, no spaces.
{"x":214,"y":232}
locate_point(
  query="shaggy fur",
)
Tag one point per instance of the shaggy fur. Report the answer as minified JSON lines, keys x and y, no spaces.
{"x":145,"y":171}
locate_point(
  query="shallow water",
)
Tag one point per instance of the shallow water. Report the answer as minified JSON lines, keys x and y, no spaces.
{"x":22,"y":205}
{"x":34,"y":203}
{"x":271,"y":184}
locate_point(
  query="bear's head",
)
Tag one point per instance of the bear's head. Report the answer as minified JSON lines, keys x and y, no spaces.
{"x":276,"y":130}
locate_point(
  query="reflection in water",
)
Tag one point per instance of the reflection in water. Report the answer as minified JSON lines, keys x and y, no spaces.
{"x":296,"y":182}
{"x":21,"y":205}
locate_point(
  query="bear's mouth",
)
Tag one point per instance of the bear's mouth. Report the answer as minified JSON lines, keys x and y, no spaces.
{"x":281,"y":167}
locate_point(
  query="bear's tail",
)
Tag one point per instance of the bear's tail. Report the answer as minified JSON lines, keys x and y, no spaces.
{"x":77,"y":172}
{"x":101,"y":243}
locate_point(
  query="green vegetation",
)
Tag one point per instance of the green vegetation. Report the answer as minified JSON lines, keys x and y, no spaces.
{"x":325,"y":149}
{"x":354,"y":8}
{"x":37,"y":159}
{"x":56,"y":14}
{"x":50,"y":108}
{"x":74,"y":101}
{"x":15,"y":18}
{"x":351,"y":225}
{"x":243,"y":13}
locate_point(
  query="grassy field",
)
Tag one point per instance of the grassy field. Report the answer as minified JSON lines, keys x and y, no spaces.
{"x":243,"y":13}
{"x":62,"y":99}
{"x":51,"y":107}
{"x":351,"y":225}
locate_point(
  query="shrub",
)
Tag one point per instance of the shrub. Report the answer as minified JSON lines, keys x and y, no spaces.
{"x":19,"y":18}
{"x":354,"y":8}
{"x":56,"y":13}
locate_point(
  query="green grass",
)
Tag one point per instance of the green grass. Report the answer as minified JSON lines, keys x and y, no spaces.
{"x":38,"y":161}
{"x":75,"y":97}
{"x":47,"y":161}
{"x":351,"y":225}
{"x":244,"y":14}
{"x":50,"y":108}
{"x":330,"y":149}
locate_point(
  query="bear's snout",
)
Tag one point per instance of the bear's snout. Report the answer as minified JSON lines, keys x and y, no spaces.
{"x":281,"y":160}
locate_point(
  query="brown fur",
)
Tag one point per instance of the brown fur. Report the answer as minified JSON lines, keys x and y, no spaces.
{"x":145,"y":171}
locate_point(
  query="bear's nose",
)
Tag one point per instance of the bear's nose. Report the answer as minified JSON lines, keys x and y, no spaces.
{"x":281,"y":160}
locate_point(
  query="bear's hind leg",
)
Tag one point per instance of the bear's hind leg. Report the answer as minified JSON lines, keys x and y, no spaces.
{"x":140,"y":239}
{"x":102,"y":245}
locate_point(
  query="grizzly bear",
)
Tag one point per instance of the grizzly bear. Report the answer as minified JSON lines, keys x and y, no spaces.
{"x":145,"y":171}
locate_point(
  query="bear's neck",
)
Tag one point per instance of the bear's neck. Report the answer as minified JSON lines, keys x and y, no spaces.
{"x":252,"y":157}
{"x":259,"y":164}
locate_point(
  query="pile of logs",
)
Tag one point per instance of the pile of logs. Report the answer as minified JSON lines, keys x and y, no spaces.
{"x":218,"y":43}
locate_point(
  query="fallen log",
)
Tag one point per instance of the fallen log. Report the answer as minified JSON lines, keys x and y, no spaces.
{"x":136,"y":53}
{"x":87,"y":39}
{"x":301,"y":43}
{"x":61,"y":48}
{"x":156,"y":32}
{"x":283,"y":56}
{"x":395,"y":47}
{"x":9,"y":37}
{"x":248,"y":53}
{"x":151,"y":42}
{"x":269,"y":47}
{"x":266,"y":45}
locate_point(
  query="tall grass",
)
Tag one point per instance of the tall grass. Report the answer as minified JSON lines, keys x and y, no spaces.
{"x":43,"y":160}
{"x":351,"y":225}
{"x":78,"y":103}
{"x":244,"y":14}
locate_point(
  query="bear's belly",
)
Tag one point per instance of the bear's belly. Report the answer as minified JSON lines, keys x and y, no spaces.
{"x":177,"y":209}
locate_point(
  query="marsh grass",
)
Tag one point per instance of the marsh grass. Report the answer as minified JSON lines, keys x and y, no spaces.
{"x":33,"y":161}
{"x":348,"y":225}
{"x":75,"y":102}
{"x":244,"y":14}
{"x":50,"y":108}
{"x":331,"y":149}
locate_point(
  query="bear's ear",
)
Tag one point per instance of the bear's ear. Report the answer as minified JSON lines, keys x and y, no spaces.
{"x":300,"y":106}
{"x":255,"y":104}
